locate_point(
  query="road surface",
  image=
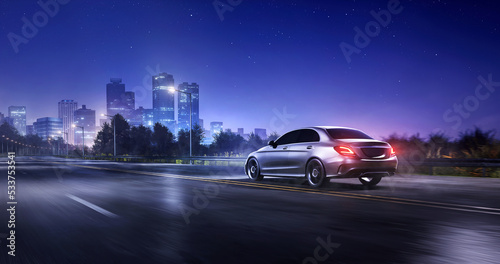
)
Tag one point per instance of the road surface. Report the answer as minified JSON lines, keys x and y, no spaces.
{"x":74,"y":211}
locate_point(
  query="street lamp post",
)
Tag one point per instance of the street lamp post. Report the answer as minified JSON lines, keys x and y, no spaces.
{"x":83,"y":139}
{"x":3,"y":136}
{"x":58,"y":146}
{"x":172,"y":89}
{"x":114,"y":133}
{"x":66,"y":134}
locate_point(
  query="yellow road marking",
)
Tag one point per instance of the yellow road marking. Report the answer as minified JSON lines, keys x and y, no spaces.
{"x":449,"y":206}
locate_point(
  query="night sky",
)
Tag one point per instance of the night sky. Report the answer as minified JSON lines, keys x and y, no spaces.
{"x":265,"y":57}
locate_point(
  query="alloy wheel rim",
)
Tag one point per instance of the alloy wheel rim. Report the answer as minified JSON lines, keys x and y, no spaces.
{"x":253,"y":169}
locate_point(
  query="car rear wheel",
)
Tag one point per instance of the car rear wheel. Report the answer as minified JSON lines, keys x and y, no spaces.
{"x":253,"y":170}
{"x":370,"y":180}
{"x":315,"y":173}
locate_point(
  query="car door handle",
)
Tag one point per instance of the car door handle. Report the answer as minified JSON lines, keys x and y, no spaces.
{"x":285,"y":147}
{"x":309,"y":147}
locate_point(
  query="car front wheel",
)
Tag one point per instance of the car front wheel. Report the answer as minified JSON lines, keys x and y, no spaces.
{"x":315,"y":173}
{"x":253,"y":170}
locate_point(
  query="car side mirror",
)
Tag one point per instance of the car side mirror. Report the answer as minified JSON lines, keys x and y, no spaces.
{"x":272,"y":143}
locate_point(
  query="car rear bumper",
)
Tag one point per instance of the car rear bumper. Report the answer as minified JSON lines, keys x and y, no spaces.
{"x":354,"y":168}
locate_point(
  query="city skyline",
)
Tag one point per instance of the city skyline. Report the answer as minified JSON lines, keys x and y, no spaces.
{"x":278,"y":66}
{"x":119,"y":101}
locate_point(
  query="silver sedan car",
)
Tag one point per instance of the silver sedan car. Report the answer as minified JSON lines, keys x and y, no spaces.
{"x":324,"y":152}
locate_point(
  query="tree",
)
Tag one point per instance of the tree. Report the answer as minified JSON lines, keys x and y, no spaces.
{"x":438,"y":145}
{"x":254,"y":142}
{"x":197,"y":137}
{"x":163,"y":140}
{"x":35,"y":142}
{"x":103,"y":143}
{"x":226,"y":142}
{"x":274,"y":135}
{"x":9,"y":131}
{"x":123,"y":144}
{"x":477,"y":144}
{"x":141,"y":137}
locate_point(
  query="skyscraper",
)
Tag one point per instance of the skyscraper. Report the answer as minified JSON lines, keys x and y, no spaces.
{"x":66,"y":110}
{"x":128,"y":100}
{"x":48,"y":127}
{"x":200,"y":122}
{"x":30,"y":130}
{"x":18,"y":116}
{"x":118,"y":101}
{"x":85,"y":118}
{"x":183,"y":109}
{"x":115,"y":91}
{"x":142,"y":116}
{"x":261,"y":132}
{"x":163,"y":100}
{"x":215,"y":128}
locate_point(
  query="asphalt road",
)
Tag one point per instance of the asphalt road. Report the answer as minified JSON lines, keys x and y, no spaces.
{"x":73,"y":211}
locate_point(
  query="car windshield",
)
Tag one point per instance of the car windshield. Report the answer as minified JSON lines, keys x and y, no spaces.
{"x":344,"y":133}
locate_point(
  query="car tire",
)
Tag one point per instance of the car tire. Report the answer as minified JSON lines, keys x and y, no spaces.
{"x":315,"y":173}
{"x":370,"y":181}
{"x":253,"y":170}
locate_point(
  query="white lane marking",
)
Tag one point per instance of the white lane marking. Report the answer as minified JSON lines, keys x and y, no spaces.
{"x":92,"y":206}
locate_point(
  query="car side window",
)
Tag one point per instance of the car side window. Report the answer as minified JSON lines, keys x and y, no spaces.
{"x":308,"y":135}
{"x":288,"y":138}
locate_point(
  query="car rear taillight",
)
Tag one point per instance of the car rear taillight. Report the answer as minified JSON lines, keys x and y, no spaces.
{"x":393,"y":153}
{"x":345,"y":151}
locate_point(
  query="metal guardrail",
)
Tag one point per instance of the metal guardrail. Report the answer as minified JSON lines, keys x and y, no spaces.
{"x":430,"y":163}
{"x":471,"y":163}
{"x":167,"y":159}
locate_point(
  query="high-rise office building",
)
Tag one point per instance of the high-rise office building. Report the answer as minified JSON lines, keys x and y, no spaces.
{"x":9,"y":121}
{"x":48,"y":127}
{"x":241,"y":131}
{"x":2,"y":117}
{"x":128,"y":100}
{"x":85,"y":118}
{"x":66,"y":111}
{"x":200,"y":122}
{"x":115,"y":91}
{"x":118,"y":101}
{"x":142,"y":116}
{"x":18,"y":116}
{"x":183,"y":105}
{"x":215,"y":128}
{"x":261,"y":132}
{"x":163,"y":100}
{"x":30,"y":130}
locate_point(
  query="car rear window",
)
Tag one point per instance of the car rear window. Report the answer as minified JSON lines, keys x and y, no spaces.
{"x":344,"y":133}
